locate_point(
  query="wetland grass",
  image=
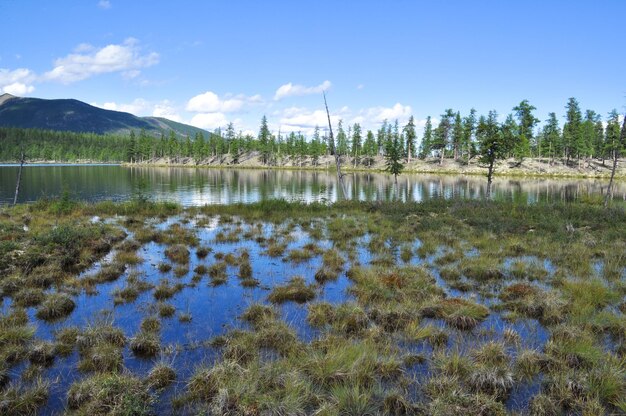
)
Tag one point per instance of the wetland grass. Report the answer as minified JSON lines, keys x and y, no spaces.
{"x":295,"y":290}
{"x":399,"y":342}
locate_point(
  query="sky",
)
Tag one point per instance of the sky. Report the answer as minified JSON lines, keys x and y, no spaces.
{"x":208,"y":63}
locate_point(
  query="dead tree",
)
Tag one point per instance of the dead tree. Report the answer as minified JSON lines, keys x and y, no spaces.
{"x":19,"y":178}
{"x":616,"y":153}
{"x":334,"y":150}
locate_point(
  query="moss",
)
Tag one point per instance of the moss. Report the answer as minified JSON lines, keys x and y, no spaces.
{"x":164,"y":267}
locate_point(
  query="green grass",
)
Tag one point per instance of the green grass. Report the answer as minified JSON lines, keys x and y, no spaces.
{"x":110,"y":393}
{"x":55,"y":306}
{"x":295,"y":290}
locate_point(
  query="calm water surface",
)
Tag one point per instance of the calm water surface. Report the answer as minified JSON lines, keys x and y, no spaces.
{"x":190,"y":186}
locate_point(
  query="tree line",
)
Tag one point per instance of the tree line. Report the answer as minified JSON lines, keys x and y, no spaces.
{"x":455,"y":136}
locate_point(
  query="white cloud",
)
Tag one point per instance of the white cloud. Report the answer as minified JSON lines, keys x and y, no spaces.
{"x":87,"y":61}
{"x":166,"y":110}
{"x":302,"y":119}
{"x":17,"y":88}
{"x":378,"y":114}
{"x":139,"y":106}
{"x":291,"y":90}
{"x":104,"y":4}
{"x":209,"y":121}
{"x":17,"y":82}
{"x":210,"y":102}
{"x":360,"y":87}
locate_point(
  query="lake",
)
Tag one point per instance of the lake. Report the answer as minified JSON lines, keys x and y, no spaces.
{"x":200,"y":186}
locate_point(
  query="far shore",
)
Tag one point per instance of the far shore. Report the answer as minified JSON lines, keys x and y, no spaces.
{"x":529,"y":167}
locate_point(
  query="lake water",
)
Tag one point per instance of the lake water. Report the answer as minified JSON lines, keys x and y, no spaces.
{"x":199,"y":186}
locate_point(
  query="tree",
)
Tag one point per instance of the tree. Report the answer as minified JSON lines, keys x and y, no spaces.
{"x":427,"y":139}
{"x":618,"y":146}
{"x":442,"y":134}
{"x":457,"y":135}
{"x":370,"y":148}
{"x":551,"y":143}
{"x":131,"y":150}
{"x":527,"y":122}
{"x":410,"y":136}
{"x":342,"y":141}
{"x":572,"y":135}
{"x":393,"y":157}
{"x":490,"y":145}
{"x":469,"y":127}
{"x":356,"y":142}
{"x":264,"y":141}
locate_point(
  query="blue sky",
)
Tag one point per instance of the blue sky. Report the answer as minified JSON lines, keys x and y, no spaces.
{"x":211,"y":62}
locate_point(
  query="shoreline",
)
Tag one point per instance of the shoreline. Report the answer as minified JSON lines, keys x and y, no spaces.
{"x":531,"y":167}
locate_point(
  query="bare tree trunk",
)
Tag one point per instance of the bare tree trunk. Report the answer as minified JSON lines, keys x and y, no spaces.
{"x":19,"y":179}
{"x":489,"y":178}
{"x":609,"y":190}
{"x":337,"y":157}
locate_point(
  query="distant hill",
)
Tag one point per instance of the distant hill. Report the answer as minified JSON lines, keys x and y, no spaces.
{"x":77,"y":116}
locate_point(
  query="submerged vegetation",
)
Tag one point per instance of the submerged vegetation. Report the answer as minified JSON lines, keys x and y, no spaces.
{"x":440,"y":308}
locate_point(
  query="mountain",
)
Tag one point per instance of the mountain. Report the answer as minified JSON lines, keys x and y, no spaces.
{"x":77,"y":116}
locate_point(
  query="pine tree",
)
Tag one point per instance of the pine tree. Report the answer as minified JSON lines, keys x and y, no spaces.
{"x":410,"y":137}
{"x":551,"y":143}
{"x":457,"y":135}
{"x":441,"y":137}
{"x":572,"y":134}
{"x":393,"y":156}
{"x":370,"y":148}
{"x":356,"y":142}
{"x":427,"y":139}
{"x":491,"y":146}
{"x":468,"y":149}
{"x":526,"y":122}
{"x":342,"y":141}
{"x":264,"y":141}
{"x":131,"y":150}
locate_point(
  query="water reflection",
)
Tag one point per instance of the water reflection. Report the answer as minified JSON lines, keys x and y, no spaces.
{"x":200,"y":186}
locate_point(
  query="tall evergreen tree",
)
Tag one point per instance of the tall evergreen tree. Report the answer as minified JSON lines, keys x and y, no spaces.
{"x":491,"y":146}
{"x":393,"y":156}
{"x":410,"y":137}
{"x":427,"y":139}
{"x":469,"y":127}
{"x":342,"y":141}
{"x":356,"y":142}
{"x":572,"y":132}
{"x":526,"y":122}
{"x":551,"y":143}
{"x":441,"y":137}
{"x":264,"y":141}
{"x":457,"y":135}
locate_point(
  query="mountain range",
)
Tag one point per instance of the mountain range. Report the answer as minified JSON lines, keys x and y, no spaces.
{"x":77,"y":116}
